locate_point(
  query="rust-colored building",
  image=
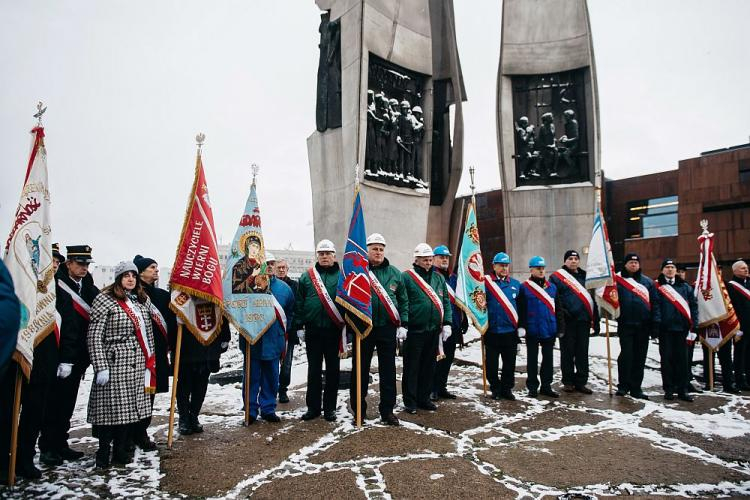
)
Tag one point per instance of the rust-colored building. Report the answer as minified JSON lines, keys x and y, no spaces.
{"x":658,"y":215}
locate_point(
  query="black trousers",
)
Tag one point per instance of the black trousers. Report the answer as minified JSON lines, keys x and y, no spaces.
{"x":382,"y":338}
{"x":741,"y":360}
{"x":62,"y":398}
{"x":420,"y":357}
{"x":673,"y":352}
{"x":505,"y":346}
{"x":322,"y":345}
{"x":192,"y":385}
{"x":139,"y":430}
{"x":574,"y":353}
{"x":532,"y":367}
{"x":443,"y":367}
{"x":632,"y":359}
{"x":725,"y":359}
{"x":7,"y":386}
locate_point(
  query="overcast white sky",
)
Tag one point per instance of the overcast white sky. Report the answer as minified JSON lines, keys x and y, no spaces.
{"x":129,"y":83}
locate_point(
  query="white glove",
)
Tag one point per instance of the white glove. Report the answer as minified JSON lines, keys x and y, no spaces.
{"x":446,"y":332}
{"x":301,"y":335}
{"x":401,"y":333}
{"x":64,"y":370}
{"x":738,"y":334}
{"x":224,"y":345}
{"x":521,"y":333}
{"x":102,"y":377}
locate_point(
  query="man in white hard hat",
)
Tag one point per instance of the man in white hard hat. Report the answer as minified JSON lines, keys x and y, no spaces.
{"x":390,"y":316}
{"x":319,"y":323}
{"x":430,"y":315}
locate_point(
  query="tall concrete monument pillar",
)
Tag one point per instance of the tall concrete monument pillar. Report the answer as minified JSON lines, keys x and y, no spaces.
{"x":389,"y":84}
{"x":548,"y":128}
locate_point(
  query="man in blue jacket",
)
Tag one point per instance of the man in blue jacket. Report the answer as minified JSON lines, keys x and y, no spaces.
{"x":678,"y":314}
{"x":501,"y":338}
{"x":541,"y":320}
{"x":638,"y":317}
{"x":266,"y":353}
{"x":10,"y":318}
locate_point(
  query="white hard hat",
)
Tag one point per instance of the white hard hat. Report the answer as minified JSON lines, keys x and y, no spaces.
{"x":270,"y":257}
{"x":417,"y":109}
{"x":325,"y":246}
{"x":423,"y":250}
{"x":375,"y":238}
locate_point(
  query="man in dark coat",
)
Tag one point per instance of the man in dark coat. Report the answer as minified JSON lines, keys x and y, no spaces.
{"x":10,"y":317}
{"x":197,"y":362}
{"x":581,"y":315}
{"x":739,"y":293}
{"x":678,"y":313}
{"x":285,"y":376}
{"x":165,"y":327}
{"x":75,"y":294}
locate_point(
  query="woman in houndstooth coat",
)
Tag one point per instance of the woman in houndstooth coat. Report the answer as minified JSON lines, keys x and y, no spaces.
{"x":121,"y":346}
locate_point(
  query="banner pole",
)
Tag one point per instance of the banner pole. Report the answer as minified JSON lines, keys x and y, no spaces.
{"x":609,"y":354}
{"x":358,"y":346}
{"x":484,"y":366}
{"x":247,"y":382}
{"x":170,"y":432}
{"x":14,"y":432}
{"x":710,"y":368}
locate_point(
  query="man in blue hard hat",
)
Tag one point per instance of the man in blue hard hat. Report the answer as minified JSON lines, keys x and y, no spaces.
{"x":460,"y":324}
{"x":501,"y":339}
{"x":541,"y":320}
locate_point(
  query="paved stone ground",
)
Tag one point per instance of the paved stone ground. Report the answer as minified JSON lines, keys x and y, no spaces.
{"x":575,"y":447}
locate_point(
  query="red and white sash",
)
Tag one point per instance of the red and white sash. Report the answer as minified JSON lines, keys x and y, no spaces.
{"x":159,"y":321}
{"x":281,"y":318}
{"x":427,"y":289}
{"x":79,"y":304}
{"x":743,"y":291}
{"x":677,"y":300}
{"x":385,"y":299}
{"x":504,"y":301}
{"x":635,"y":288}
{"x":540,"y":294}
{"x":325,"y":299}
{"x":58,"y":327}
{"x":139,"y":325}
{"x":578,"y":290}
{"x":451,"y":293}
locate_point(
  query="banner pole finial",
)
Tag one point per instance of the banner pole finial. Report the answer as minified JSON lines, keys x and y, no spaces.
{"x":199,"y":140}
{"x":40,"y":109}
{"x":255,"y":169}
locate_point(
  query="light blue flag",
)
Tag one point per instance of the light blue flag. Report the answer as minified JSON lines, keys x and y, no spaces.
{"x":471,"y":295}
{"x":248,"y":303}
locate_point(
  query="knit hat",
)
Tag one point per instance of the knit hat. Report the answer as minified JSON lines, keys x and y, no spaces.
{"x":632,"y":256}
{"x":142,"y":262}
{"x":668,"y":262}
{"x":570,"y":253}
{"x":123,"y":267}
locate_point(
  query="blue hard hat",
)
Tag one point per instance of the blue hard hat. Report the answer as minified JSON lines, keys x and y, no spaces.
{"x":501,"y":258}
{"x":537,"y":261}
{"x":441,"y":250}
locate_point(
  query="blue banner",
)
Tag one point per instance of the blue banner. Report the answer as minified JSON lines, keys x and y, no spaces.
{"x":471,"y":295}
{"x":353,"y":291}
{"x":248,"y":303}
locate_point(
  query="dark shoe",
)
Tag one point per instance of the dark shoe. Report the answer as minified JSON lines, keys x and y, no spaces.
{"x":496,"y":396}
{"x":146,"y":444}
{"x":434,"y":396}
{"x":732,"y":389}
{"x":270,"y":417}
{"x":330,"y":416}
{"x":196,"y":426}
{"x":508,"y":395}
{"x":28,"y":470}
{"x":584,"y":390}
{"x":691,"y":388}
{"x":310,"y":415}
{"x":446,"y":395}
{"x":120,"y":456}
{"x":669,"y":396}
{"x":50,"y":458}
{"x":410,"y":410}
{"x":283,"y":397}
{"x":533,"y":393}
{"x":744,"y":386}
{"x":549,"y":392}
{"x":569,"y":388}
{"x":70,"y":455}
{"x":428,"y":405}
{"x":185,"y":427}
{"x":621,"y":392}
{"x":639,"y":395}
{"x":390,"y":419}
{"x":686,"y":397}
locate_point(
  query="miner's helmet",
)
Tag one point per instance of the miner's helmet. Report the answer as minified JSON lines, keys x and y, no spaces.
{"x":442,"y":250}
{"x":537,"y":261}
{"x":423,"y":250}
{"x":393,"y":101}
{"x":270,"y":257}
{"x":417,"y":109}
{"x":405,"y":104}
{"x":501,"y":258}
{"x":325,"y":246}
{"x":375,"y":238}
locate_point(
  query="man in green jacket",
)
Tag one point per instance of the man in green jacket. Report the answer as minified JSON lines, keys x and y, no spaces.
{"x":430,"y":316}
{"x":316,"y":312}
{"x":390,"y":316}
